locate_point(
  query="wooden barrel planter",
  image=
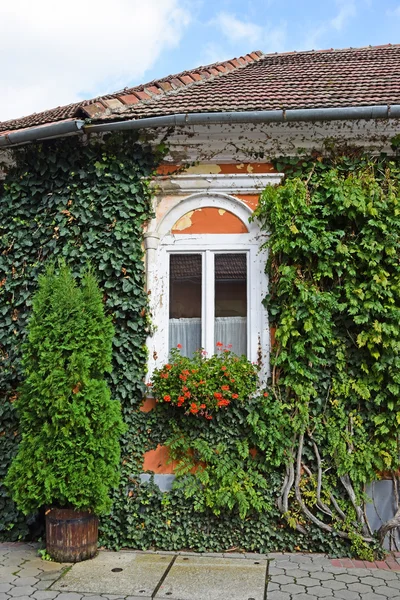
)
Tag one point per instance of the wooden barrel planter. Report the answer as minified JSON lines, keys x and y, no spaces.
{"x":71,"y":536}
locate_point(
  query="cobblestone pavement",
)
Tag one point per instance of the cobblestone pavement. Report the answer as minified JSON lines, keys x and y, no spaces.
{"x":24,"y":575}
{"x":308,"y":577}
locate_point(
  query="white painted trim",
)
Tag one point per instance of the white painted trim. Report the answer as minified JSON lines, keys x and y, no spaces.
{"x":240,"y":183}
{"x":208,"y":308}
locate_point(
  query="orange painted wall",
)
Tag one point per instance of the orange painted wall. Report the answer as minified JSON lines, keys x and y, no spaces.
{"x":158,"y":461}
{"x":209,"y":220}
{"x":250,"y":199}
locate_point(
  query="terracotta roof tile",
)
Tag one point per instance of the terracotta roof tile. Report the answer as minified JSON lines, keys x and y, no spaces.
{"x":290,"y":80}
{"x":126,"y":96}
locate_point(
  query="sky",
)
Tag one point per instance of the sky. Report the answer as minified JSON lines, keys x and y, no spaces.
{"x":55,"y":53}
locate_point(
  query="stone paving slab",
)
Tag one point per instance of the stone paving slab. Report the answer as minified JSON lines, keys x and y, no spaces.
{"x":117,"y":573}
{"x":211,"y":578}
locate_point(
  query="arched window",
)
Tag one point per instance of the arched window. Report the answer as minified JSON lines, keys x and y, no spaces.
{"x":206,"y":280}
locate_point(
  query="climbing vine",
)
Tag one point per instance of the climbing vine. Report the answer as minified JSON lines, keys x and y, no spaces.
{"x":335,"y":302}
{"x":86,"y":203}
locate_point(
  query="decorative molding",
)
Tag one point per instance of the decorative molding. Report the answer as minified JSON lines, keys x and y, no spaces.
{"x":239,"y":183}
{"x":203,"y":199}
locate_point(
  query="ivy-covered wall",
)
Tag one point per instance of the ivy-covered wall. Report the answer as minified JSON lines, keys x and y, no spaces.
{"x":334,"y":302}
{"x":86,"y":203}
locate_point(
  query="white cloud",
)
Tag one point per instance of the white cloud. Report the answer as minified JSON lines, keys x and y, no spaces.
{"x":236,"y":30}
{"x":347,"y":10}
{"x":264,"y":37}
{"x":213,"y":52}
{"x":394,"y":13}
{"x":58,"y":52}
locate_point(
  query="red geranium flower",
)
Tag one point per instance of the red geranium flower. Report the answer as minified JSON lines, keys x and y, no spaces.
{"x":179,"y":346}
{"x":235,"y":396}
{"x":225,"y":388}
{"x":217,"y":395}
{"x":219,"y":344}
{"x":223,"y":402}
{"x":167,"y":398}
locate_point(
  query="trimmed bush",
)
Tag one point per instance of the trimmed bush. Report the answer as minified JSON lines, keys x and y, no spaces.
{"x":69,"y":452}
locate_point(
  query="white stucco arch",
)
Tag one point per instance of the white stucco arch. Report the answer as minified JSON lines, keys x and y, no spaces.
{"x":205,"y":200}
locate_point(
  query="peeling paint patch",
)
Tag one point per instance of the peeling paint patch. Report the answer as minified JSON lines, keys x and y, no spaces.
{"x":221,"y":211}
{"x":184,"y":222}
{"x":258,"y":143}
{"x":204,"y":169}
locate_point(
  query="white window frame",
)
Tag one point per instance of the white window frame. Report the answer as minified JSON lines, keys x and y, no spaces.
{"x":160,"y":243}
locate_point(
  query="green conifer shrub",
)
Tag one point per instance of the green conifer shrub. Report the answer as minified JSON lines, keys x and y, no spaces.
{"x":69,"y":452}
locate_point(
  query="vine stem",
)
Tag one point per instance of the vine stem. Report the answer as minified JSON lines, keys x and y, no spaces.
{"x":305,"y":510}
{"x":321,"y":504}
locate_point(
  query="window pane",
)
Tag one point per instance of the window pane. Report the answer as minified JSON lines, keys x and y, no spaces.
{"x":231,"y":301}
{"x":185,"y":302}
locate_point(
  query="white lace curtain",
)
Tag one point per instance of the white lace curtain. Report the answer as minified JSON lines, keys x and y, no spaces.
{"x":228,"y":330}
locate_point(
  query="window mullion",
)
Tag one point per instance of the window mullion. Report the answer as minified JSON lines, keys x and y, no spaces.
{"x":208,"y":302}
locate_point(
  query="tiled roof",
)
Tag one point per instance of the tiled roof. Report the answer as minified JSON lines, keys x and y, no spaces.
{"x":293,"y":80}
{"x":129,"y":97}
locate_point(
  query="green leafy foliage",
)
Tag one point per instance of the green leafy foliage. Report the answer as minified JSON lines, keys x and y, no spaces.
{"x":69,"y":451}
{"x":334,"y":233}
{"x":85,"y":202}
{"x":208,"y":517}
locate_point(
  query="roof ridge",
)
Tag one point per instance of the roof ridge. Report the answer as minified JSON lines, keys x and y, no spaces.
{"x":247,"y":58}
{"x":330,"y":50}
{"x":118,"y":101}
